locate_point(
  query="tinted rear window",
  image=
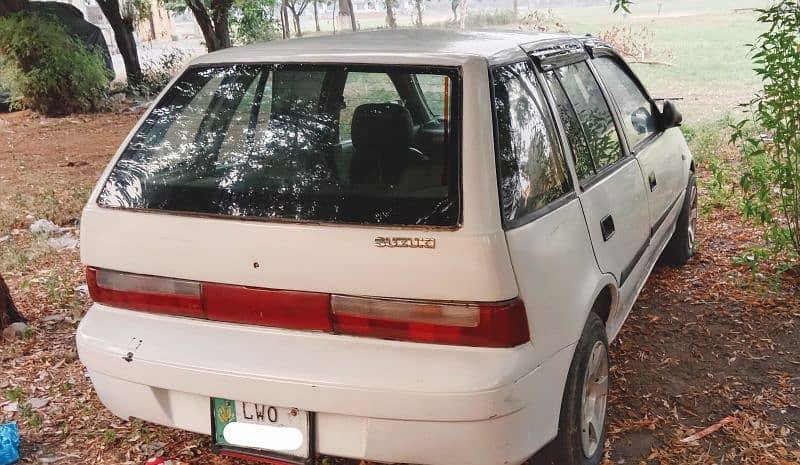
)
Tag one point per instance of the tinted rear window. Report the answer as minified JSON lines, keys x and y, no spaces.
{"x":348,"y":144}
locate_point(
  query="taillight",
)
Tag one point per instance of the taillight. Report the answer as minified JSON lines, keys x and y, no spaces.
{"x":502,"y":324}
{"x":268,"y":307}
{"x":148,"y":293}
{"x":478,"y":324}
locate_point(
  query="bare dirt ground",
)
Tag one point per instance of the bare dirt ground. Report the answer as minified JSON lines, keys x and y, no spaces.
{"x":703,"y":343}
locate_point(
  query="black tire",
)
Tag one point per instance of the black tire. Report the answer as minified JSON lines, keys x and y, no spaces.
{"x":681,"y":246}
{"x":568,"y":447}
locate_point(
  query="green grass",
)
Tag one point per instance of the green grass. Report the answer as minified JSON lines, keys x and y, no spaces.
{"x":14,"y":394}
{"x":705,"y":42}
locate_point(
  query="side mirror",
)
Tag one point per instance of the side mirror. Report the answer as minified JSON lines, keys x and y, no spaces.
{"x":641,"y":119}
{"x":670,"y":117}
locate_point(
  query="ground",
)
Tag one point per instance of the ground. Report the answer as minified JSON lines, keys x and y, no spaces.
{"x":704,"y":342}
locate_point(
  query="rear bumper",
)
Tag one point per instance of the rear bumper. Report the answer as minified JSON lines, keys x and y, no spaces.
{"x":378,"y":400}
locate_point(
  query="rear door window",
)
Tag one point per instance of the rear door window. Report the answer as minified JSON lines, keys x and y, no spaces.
{"x":265,"y":142}
{"x":584,"y":165}
{"x":532,"y":169}
{"x":593,"y":113}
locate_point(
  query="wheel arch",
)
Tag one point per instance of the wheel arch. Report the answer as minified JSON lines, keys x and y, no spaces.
{"x":605,"y":302}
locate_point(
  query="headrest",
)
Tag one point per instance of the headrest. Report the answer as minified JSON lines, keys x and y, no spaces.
{"x":381,"y":125}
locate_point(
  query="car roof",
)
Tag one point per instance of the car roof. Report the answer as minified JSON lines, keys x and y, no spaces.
{"x":401,"y":46}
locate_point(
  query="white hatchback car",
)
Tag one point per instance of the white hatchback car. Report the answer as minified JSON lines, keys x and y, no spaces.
{"x":401,"y":246}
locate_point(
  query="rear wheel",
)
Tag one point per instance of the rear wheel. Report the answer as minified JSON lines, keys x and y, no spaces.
{"x":582,"y":424}
{"x":681,"y":247}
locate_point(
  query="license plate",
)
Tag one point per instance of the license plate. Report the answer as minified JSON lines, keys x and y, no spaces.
{"x":261,"y":429}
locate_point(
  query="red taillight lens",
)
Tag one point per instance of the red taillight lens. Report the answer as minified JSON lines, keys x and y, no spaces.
{"x":147,"y":293}
{"x":501,"y":324}
{"x":282,"y":309}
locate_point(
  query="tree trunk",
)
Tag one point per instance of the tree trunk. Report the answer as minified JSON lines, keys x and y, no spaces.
{"x":8,"y":7}
{"x":462,"y":20}
{"x":220,"y":16}
{"x":516,"y":8}
{"x":316,"y":15}
{"x":204,"y":22}
{"x":352,"y":15}
{"x":8,"y":312}
{"x":287,"y":31}
{"x":295,"y":21}
{"x":215,"y":26}
{"x":391,"y":21}
{"x":418,"y":6}
{"x":346,"y":9}
{"x":123,"y":34}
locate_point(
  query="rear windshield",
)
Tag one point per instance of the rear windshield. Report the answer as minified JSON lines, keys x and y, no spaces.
{"x":349,"y":144}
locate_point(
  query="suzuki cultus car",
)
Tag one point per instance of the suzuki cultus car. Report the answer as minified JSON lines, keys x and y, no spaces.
{"x":399,"y":246}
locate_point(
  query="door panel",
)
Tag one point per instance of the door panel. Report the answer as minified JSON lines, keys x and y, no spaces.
{"x":614,"y":200}
{"x":661,"y":160}
{"x":618,"y":198}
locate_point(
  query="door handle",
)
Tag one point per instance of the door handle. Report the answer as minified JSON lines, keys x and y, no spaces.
{"x":607,"y":227}
{"x":652,"y":180}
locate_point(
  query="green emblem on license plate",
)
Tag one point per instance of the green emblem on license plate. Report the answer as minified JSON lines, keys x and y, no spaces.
{"x":224,"y":413}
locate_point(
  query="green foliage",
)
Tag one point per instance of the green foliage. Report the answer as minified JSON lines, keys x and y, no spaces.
{"x":109,"y":437}
{"x":47,"y":70}
{"x":624,"y":5}
{"x":253,"y":21}
{"x":14,"y":394}
{"x":752,"y":258}
{"x":771,"y":174}
{"x":719,"y":185}
{"x":157,"y":74}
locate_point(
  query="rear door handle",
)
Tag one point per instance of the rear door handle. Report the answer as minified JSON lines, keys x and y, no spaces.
{"x":652,"y":179}
{"x":607,"y":227}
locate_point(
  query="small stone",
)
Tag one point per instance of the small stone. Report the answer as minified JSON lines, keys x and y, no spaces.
{"x":49,"y":459}
{"x":15,"y":330}
{"x":62,"y":242}
{"x":11,"y":407}
{"x":38,"y":402}
{"x":44,"y":227}
{"x":56,"y":318}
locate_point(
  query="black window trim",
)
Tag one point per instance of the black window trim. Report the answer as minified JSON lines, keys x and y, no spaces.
{"x":625,"y":155}
{"x":456,"y":73}
{"x":556,"y":53}
{"x":553,"y":205}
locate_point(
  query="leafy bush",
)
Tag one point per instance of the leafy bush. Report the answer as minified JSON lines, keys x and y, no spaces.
{"x":157,"y":74}
{"x":771,"y":178}
{"x":480,"y":19}
{"x":543,"y":21}
{"x":636,"y":43}
{"x":48,"y":70}
{"x":253,"y":21}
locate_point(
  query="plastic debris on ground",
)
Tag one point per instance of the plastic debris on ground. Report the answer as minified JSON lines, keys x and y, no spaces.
{"x":63,"y":242}
{"x":45,"y":227}
{"x":9,"y":443}
{"x":162,"y":461}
